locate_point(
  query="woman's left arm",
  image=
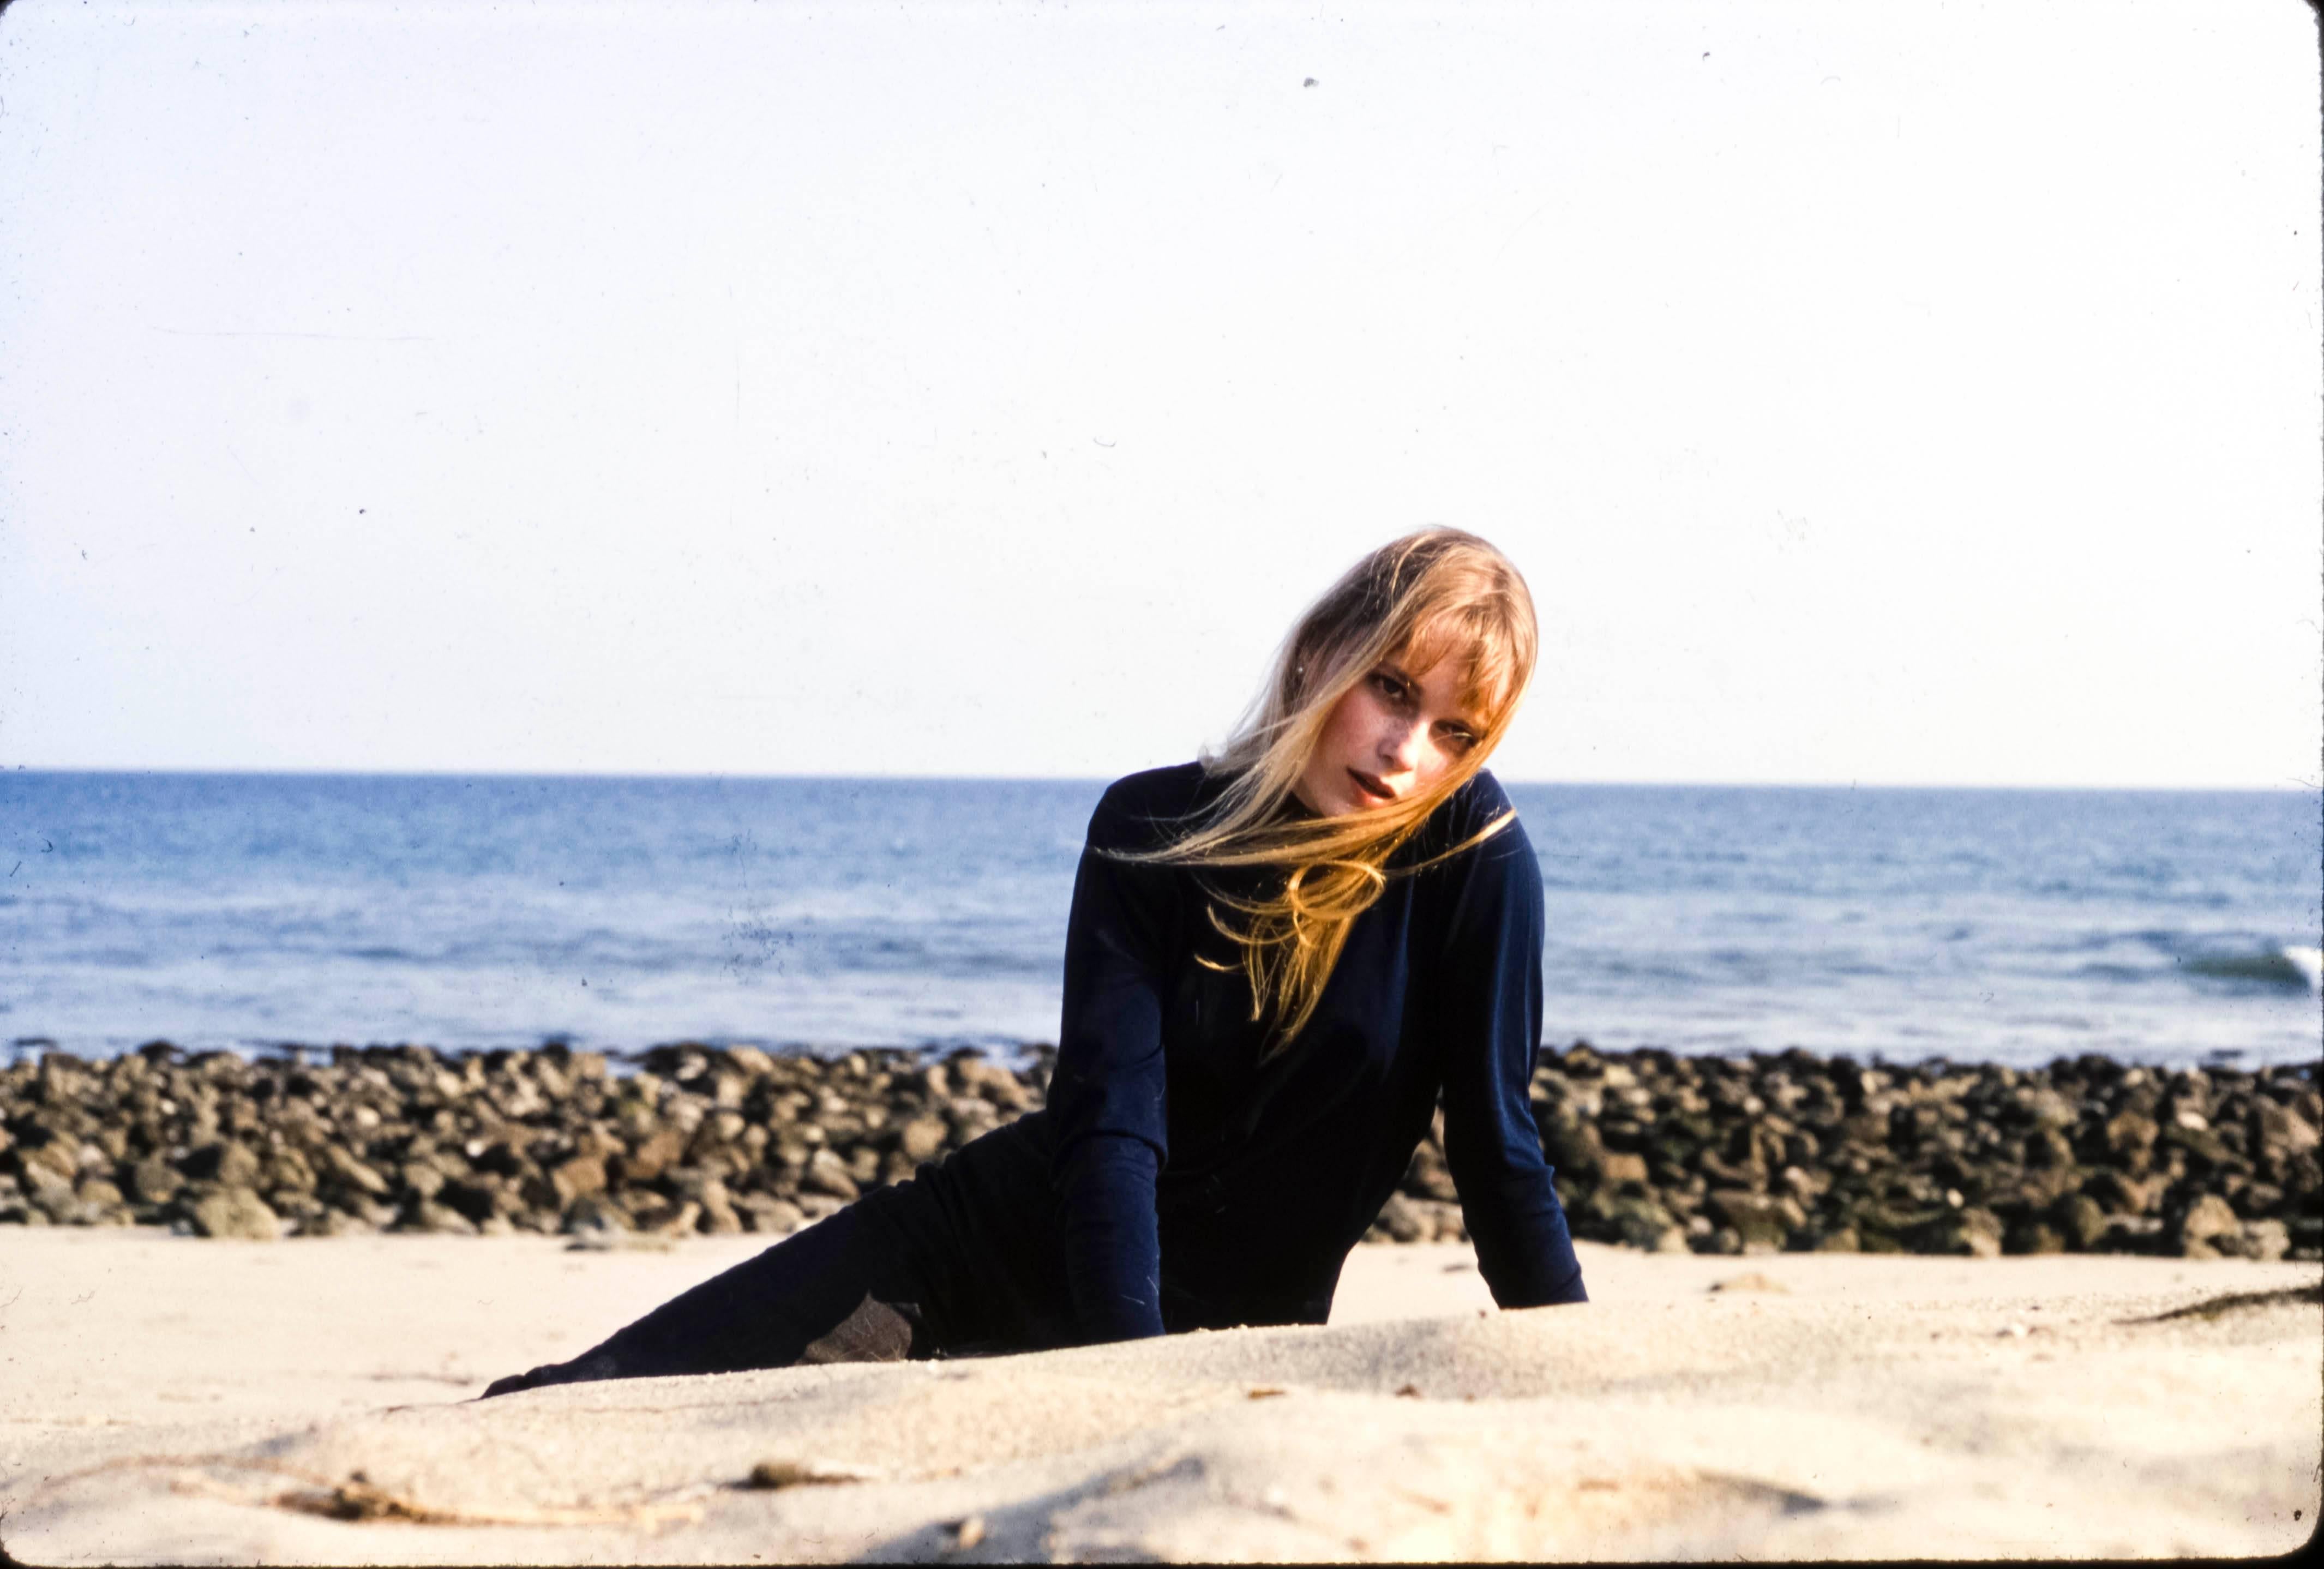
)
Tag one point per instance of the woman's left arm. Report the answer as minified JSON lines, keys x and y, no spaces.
{"x":1488,"y":1030}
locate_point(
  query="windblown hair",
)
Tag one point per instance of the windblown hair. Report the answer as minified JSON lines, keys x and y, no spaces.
{"x":1435,"y":595}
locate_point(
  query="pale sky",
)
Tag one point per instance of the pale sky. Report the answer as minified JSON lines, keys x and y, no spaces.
{"x":1910,"y":393}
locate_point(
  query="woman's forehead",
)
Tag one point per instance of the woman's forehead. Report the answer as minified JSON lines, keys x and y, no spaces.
{"x":1481,"y":673}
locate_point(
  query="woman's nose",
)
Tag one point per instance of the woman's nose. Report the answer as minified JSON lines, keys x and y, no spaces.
{"x":1401,"y":747}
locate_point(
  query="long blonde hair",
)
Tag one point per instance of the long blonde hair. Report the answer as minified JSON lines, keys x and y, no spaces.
{"x":1434,"y":595}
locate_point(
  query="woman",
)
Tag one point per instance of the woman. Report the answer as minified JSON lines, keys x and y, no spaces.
{"x":1277,"y":961}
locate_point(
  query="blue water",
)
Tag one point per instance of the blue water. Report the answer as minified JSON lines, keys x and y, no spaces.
{"x":241,"y":910}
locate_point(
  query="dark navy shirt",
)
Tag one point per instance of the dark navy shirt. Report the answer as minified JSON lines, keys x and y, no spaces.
{"x":1199,"y":1188}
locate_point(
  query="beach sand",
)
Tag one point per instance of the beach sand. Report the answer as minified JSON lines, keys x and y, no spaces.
{"x":163,"y":1399}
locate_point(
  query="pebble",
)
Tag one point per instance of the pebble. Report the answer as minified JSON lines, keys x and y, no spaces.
{"x":1721,"y":1156}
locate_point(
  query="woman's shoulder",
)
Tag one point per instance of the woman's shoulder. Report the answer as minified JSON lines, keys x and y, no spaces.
{"x":1477,"y":804}
{"x":1141,"y":810}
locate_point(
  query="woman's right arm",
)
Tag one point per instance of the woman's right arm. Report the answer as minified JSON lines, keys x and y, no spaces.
{"x":1107,"y":1096}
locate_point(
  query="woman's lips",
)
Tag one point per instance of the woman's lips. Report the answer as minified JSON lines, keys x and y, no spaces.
{"x":1366,"y":785}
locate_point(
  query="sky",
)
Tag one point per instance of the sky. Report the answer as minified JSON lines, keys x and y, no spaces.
{"x":1925,"y":393}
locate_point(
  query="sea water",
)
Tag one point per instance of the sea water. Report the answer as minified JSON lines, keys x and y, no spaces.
{"x":248,"y":911}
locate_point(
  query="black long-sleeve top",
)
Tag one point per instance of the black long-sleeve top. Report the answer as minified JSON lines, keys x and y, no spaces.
{"x":1197,"y":1188}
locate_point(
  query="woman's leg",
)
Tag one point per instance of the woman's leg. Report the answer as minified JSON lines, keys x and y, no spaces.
{"x":847,"y":1288}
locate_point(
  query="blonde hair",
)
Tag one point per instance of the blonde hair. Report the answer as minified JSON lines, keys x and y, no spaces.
{"x":1435,"y":594}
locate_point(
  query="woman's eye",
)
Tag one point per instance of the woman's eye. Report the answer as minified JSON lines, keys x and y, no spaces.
{"x":1389,"y":686}
{"x":1459,"y":741}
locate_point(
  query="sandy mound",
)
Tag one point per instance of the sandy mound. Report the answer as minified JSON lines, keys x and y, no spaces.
{"x":1812,"y":1407}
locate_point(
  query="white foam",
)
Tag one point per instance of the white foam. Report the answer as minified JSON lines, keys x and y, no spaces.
{"x":2310,"y":962}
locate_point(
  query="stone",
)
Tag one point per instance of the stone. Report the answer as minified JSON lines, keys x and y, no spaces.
{"x":287,"y":1168}
{"x":765,"y":1212}
{"x":1572,"y":1145}
{"x":154,"y":1180}
{"x":1761,"y":1219}
{"x":655,"y":1156}
{"x":992,"y":1082}
{"x":1641,"y":1222}
{"x":2128,"y":1130}
{"x":235,"y":1212}
{"x":2263,"y":1240}
{"x":577,"y":1177}
{"x":1723,"y":1240}
{"x":1618,"y":1166}
{"x":426,"y":1216}
{"x":595,"y":1212}
{"x":922,"y":1139}
{"x":229,"y":1163}
{"x":2078,"y":1221}
{"x":671,"y":1221}
{"x":344,"y":1168}
{"x":825,"y":1173}
{"x":1402,"y":1220}
{"x":2207,"y":1216}
{"x":2029,"y":1235}
{"x":1970,"y":1233}
{"x":98,"y":1194}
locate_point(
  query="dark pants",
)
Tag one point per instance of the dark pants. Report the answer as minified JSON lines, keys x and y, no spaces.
{"x":963,"y":1260}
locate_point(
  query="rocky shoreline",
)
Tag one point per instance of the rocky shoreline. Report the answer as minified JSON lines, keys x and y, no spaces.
{"x":1755,"y":1154}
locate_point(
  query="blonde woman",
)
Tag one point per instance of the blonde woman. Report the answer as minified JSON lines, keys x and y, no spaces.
{"x":1279,"y":960}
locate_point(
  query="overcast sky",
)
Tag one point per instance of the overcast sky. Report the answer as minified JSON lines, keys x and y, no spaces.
{"x":1905,"y":393}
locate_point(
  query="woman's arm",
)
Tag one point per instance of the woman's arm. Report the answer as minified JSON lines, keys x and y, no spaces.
{"x":1490,"y":1029}
{"x":1107,"y":1096}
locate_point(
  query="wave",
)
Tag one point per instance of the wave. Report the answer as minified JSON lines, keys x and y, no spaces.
{"x":2287,"y":966}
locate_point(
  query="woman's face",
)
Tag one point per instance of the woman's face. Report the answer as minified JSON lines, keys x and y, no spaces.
{"x":1395,"y":732}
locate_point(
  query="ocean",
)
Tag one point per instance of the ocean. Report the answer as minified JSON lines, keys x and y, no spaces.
{"x":247,"y":911}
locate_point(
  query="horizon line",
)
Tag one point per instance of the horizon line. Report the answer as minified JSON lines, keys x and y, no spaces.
{"x":676,"y":776}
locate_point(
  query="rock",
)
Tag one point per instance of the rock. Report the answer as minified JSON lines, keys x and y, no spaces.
{"x":332,"y":1222}
{"x":337,"y":1163}
{"x":2129,"y":1131}
{"x":96,"y":1193}
{"x":671,"y":1221}
{"x":1402,"y":1220}
{"x":2027,"y":1235}
{"x":577,"y":1177}
{"x":1723,"y":1240}
{"x":2078,"y":1220}
{"x":1970,"y":1233}
{"x":2119,"y":1194}
{"x":287,"y":1168}
{"x":825,"y":1173}
{"x":656,"y":1155}
{"x":1760,"y":1220}
{"x":229,"y":1164}
{"x":2047,"y":1149}
{"x":426,"y":1216}
{"x":1614,"y":1168}
{"x":1572,"y":1145}
{"x":154,"y":1180}
{"x":1641,"y":1222}
{"x":235,"y":1212}
{"x":593,"y":1212}
{"x":990,"y":1081}
{"x":2192,"y":1230}
{"x":2264,"y":1241}
{"x":764,"y":1213}
{"x":922,"y":1139}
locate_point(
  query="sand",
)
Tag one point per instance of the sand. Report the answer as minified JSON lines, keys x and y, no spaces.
{"x":165,"y":1399}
